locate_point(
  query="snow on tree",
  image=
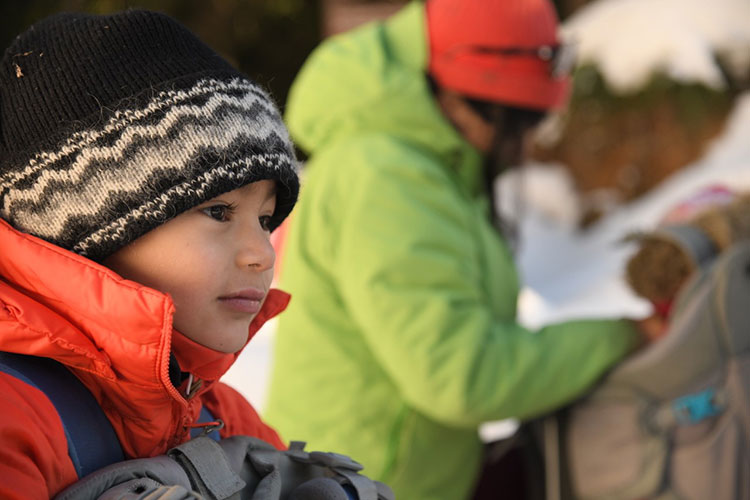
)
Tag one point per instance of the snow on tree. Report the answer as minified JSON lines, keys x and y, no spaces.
{"x":655,"y":82}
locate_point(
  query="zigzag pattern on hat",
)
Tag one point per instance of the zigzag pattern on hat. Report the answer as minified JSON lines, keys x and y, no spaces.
{"x":104,"y":187}
{"x":158,"y":209}
{"x":126,"y":117}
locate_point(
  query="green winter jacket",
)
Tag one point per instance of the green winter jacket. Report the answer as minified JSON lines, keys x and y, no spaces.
{"x":401,"y":337}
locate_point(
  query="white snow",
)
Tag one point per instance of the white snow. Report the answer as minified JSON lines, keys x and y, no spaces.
{"x":585,"y":276}
{"x":630,"y":40}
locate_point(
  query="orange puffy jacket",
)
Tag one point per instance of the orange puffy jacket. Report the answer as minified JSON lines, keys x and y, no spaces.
{"x":116,"y":336}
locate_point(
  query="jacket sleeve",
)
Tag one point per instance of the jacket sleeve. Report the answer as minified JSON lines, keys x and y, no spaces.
{"x":34,"y":461}
{"x":239,"y":416}
{"x":409,"y":274}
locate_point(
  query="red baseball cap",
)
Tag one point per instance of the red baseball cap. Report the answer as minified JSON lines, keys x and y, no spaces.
{"x":504,"y":51}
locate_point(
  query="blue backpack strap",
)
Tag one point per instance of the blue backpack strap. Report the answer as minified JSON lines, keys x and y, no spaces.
{"x":204,"y":418}
{"x":92,"y":442}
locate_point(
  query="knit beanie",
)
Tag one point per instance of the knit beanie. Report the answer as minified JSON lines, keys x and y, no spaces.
{"x":112,"y":125}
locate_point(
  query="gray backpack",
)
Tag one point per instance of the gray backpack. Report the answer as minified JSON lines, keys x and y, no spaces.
{"x":235,"y":468}
{"x":673,"y":421}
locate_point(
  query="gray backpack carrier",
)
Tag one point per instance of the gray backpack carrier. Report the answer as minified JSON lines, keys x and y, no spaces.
{"x":235,"y":468}
{"x":673,"y":421}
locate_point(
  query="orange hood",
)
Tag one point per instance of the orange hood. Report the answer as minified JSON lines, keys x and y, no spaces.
{"x":114,"y":334}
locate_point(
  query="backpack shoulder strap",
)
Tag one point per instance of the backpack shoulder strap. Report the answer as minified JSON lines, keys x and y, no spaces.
{"x":92,"y":442}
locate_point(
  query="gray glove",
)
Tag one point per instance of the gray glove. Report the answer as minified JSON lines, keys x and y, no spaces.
{"x":145,"y":478}
{"x":237,"y":468}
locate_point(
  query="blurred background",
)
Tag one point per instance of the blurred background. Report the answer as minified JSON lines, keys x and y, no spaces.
{"x":616,"y":141}
{"x":660,"y":110}
{"x":267,"y":39}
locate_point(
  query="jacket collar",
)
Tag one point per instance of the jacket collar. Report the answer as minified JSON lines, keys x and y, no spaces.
{"x":209,"y":365}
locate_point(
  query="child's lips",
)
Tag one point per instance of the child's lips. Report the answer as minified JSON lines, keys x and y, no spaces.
{"x":246,"y":301}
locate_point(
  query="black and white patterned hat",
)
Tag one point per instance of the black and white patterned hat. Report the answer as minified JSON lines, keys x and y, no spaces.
{"x":112,"y":125}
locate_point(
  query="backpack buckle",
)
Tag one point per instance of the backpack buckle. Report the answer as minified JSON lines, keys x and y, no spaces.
{"x":207,"y":428}
{"x":693,"y":408}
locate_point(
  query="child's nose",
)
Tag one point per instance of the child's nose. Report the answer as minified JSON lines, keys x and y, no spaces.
{"x":256,"y":251}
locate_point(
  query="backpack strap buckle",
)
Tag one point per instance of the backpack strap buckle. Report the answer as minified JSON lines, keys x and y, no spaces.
{"x":693,"y":408}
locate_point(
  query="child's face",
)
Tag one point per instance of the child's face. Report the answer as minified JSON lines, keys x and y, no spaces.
{"x":215,"y":260}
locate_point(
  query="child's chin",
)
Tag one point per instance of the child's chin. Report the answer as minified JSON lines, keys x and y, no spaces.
{"x":233,"y":344}
{"x":226,"y":342}
{"x":229,"y":348}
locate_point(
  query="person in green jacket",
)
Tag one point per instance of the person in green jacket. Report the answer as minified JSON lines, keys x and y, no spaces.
{"x":401,"y":337}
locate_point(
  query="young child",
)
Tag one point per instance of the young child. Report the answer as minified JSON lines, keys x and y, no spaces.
{"x":687,"y":240}
{"x":140,"y":178}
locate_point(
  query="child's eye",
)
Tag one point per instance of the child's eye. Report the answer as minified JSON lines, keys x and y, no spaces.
{"x":220,"y":213}
{"x":265,"y":222}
